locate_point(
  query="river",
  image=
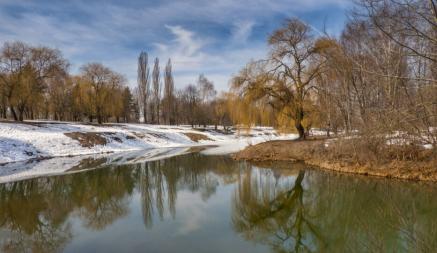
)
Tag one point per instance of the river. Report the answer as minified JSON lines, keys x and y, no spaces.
{"x":211,"y":203}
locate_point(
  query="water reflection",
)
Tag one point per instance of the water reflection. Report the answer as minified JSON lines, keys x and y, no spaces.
{"x":272,"y":213}
{"x":283,"y":207}
{"x":323,"y":212}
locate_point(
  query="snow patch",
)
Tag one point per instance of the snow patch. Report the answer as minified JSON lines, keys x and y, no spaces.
{"x":43,"y":139}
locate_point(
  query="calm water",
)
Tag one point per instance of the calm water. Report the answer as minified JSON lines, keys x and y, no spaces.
{"x":198,"y":203}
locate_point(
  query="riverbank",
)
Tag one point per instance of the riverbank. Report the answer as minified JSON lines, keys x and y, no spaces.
{"x":323,"y":154}
{"x":36,"y":140}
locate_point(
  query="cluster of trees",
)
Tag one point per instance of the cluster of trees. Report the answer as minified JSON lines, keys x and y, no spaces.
{"x":379,"y":77}
{"x":196,"y":104}
{"x":35,"y":84}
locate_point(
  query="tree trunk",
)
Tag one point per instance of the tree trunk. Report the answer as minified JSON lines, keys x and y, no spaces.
{"x":145,"y":112}
{"x":20,"y":115}
{"x":4,"y":112}
{"x":298,"y":123}
{"x":14,"y":113}
{"x":157,"y":113}
{"x":300,"y":129}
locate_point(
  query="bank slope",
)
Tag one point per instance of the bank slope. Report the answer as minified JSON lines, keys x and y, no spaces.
{"x":39,"y":139}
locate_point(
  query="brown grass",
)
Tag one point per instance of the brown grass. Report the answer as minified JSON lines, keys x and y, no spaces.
{"x":88,"y":139}
{"x":197,"y":137}
{"x":402,"y":162}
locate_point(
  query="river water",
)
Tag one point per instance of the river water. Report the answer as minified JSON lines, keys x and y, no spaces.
{"x":201,"y":203}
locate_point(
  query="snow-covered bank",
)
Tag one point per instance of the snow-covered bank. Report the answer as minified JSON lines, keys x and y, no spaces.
{"x":36,"y":140}
{"x":17,"y":171}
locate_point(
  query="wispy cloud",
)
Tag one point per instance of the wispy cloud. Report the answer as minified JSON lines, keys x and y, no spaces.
{"x":242,"y":31}
{"x":211,"y":37}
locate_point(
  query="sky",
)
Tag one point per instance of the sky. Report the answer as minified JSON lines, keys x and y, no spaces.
{"x":211,"y":37}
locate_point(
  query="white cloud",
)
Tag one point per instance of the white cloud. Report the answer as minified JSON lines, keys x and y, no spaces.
{"x":114,"y":33}
{"x":190,"y":57}
{"x":189,"y":44}
{"x":242,"y":31}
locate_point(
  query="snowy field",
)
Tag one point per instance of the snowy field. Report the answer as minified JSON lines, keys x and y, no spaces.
{"x":38,"y":140}
{"x":35,"y":149}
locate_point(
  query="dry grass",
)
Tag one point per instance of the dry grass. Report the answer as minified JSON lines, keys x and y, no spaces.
{"x":197,"y":137}
{"x":89,"y":139}
{"x":351,"y":156}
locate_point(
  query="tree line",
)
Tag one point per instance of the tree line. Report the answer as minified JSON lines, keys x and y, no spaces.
{"x":35,"y":83}
{"x":196,"y":104}
{"x":378,"y":78}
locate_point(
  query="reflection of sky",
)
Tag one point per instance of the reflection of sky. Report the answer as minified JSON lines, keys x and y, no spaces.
{"x":211,"y":37}
{"x":199,"y":226}
{"x":331,"y":204}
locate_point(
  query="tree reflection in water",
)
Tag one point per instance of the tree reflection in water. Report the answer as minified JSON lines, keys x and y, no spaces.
{"x":290,"y":209}
{"x":34,"y":214}
{"x":274,"y":213}
{"x":324,"y":212}
{"x":161,"y":180}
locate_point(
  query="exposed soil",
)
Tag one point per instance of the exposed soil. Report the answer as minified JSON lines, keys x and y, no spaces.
{"x":197,"y":137}
{"x":315,"y":152}
{"x":89,"y":139}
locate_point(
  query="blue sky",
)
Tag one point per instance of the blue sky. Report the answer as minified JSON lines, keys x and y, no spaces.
{"x":215,"y":38}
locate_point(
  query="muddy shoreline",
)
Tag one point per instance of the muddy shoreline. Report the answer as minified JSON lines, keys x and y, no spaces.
{"x":314,"y":153}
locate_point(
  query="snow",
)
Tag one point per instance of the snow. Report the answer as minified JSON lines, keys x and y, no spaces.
{"x":36,"y":140}
{"x":11,"y":172}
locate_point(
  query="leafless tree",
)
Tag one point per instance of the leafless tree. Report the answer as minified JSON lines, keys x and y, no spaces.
{"x":156,"y":79}
{"x":169,"y":97}
{"x":143,"y":84}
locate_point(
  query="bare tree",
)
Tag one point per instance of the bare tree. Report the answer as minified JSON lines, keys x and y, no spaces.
{"x":207,"y":93}
{"x":206,"y":88}
{"x":188,"y":100}
{"x":169,"y":97}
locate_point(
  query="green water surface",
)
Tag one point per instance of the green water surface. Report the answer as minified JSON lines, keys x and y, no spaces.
{"x":199,"y":203}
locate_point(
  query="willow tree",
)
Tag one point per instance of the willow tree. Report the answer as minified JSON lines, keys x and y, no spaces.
{"x":103,"y":83}
{"x":24,"y":75}
{"x":286,"y":78}
{"x":248,"y":102}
